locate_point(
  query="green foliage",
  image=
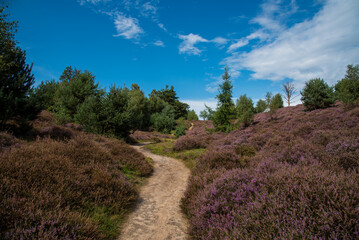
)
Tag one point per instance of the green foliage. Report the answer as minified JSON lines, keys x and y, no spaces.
{"x":189,"y":157}
{"x":138,"y":106}
{"x":317,"y":94}
{"x":225,"y":105}
{"x":245,"y":110}
{"x":261,"y":106}
{"x":268,"y":98}
{"x":165,"y":121}
{"x":180,"y":131}
{"x":275,"y":103}
{"x":16,"y":78}
{"x":347,"y":89}
{"x":169,"y":96}
{"x":44,"y":94}
{"x":88,"y":115}
{"x":73,"y":90}
{"x":192,"y":116}
{"x":155,"y":103}
{"x":116,"y":119}
{"x":207,"y":114}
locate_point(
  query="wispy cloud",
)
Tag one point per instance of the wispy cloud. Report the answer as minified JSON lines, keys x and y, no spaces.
{"x":127,"y":15}
{"x":319,"y":47}
{"x":127,"y":27}
{"x":162,"y":27}
{"x":240,"y":43}
{"x":82,"y":2}
{"x":159,"y":43}
{"x":148,"y":9}
{"x":220,"y":41}
{"x":187,"y":46}
{"x":215,"y":80}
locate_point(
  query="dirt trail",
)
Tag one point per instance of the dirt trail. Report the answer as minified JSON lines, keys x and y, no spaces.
{"x":158,"y":215}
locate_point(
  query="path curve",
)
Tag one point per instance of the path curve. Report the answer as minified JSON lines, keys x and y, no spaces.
{"x":158,"y":215}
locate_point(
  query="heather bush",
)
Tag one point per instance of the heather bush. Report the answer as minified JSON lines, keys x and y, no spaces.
{"x":230,"y":196}
{"x":57,"y":132}
{"x":54,"y":189}
{"x":284,"y":204}
{"x":143,"y":136}
{"x":186,"y":143}
{"x":198,"y":182}
{"x":216,"y":159}
{"x":306,"y":168}
{"x":245,"y":150}
{"x":197,"y":137}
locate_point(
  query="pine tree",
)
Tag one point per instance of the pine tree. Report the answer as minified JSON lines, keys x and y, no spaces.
{"x":225,"y":105}
{"x":16,"y":78}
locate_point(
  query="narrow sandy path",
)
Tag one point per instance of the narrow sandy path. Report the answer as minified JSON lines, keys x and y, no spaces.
{"x":158,"y":215}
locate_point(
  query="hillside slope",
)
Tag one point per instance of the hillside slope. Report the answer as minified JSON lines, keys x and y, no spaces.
{"x":296,"y":176}
{"x":66,"y":184}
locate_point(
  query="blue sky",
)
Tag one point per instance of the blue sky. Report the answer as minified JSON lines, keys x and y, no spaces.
{"x":186,"y":43}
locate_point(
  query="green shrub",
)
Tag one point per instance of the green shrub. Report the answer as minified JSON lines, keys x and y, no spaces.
{"x":88,"y":115}
{"x":347,"y":89}
{"x":317,"y":94}
{"x":192,"y":116}
{"x":245,"y":110}
{"x":165,"y":121}
{"x":180,"y":131}
{"x":261,"y":106}
{"x":43,"y":95}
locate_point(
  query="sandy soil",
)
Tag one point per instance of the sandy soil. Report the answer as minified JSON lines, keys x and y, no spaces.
{"x":158,"y":215}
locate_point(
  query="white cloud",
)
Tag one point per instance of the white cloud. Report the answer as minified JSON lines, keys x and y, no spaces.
{"x":148,"y":9}
{"x":319,"y":47}
{"x":198,"y":105}
{"x":127,"y":27}
{"x":187,"y":46}
{"x":220,"y":41}
{"x":212,"y":87}
{"x":238,"y":44}
{"x":82,"y":2}
{"x":159,"y":43}
{"x":162,"y":27}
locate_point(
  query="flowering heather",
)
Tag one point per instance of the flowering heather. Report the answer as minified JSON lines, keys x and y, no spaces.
{"x":55,"y":189}
{"x":197,"y":137}
{"x":295,"y":176}
{"x":7,"y":140}
{"x":141,"y":136}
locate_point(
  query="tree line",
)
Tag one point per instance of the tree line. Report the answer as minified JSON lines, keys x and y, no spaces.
{"x":117,"y":112}
{"x":316,"y":94}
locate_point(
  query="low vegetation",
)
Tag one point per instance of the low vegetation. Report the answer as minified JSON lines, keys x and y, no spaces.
{"x":165,"y":148}
{"x":66,"y":184}
{"x":292,"y":177}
